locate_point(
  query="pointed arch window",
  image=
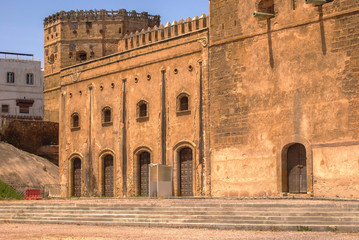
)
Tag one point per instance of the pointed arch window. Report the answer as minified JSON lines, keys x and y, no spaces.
{"x":183,"y":103}
{"x":107,"y":116}
{"x":75,"y":121}
{"x":142,"y":110}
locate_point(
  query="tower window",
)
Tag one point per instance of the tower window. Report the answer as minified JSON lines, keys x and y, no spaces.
{"x":88,"y":24}
{"x":81,"y":56}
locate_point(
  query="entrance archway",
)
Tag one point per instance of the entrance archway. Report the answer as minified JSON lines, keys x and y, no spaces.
{"x":108,"y":176}
{"x":144,"y":160}
{"x":76,"y":178}
{"x":297,"y":169}
{"x":186,"y":171}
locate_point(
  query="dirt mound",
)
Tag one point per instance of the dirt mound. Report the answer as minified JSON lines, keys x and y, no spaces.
{"x":21,"y":168}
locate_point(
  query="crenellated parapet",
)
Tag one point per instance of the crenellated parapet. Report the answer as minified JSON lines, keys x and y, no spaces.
{"x":160,"y":33}
{"x":102,"y":14}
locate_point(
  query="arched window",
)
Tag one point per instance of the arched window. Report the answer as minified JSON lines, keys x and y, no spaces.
{"x":183,"y":103}
{"x":142,"y":110}
{"x":81,"y":56}
{"x":75,"y":121}
{"x":106,"y":116}
{"x":52,"y":59}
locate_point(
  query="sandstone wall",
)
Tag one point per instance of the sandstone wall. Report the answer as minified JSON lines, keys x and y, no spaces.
{"x":102,"y":84}
{"x":290,"y":79}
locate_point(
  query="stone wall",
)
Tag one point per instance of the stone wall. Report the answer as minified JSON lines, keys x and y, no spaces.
{"x":68,"y":35}
{"x":29,"y":136}
{"x":279,"y":81}
{"x":156,"y":74}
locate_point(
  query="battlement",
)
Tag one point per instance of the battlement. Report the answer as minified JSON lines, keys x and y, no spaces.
{"x":102,"y":14}
{"x":160,"y":33}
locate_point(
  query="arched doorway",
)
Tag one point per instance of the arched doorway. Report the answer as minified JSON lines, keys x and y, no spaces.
{"x":297,"y":169}
{"x":108,"y":176}
{"x":186,"y":172}
{"x":144,"y":160}
{"x":76,"y":178}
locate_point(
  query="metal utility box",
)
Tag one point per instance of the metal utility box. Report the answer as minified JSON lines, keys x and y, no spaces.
{"x":160,"y":180}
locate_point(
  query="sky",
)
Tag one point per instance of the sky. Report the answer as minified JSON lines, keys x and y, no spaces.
{"x":21,"y":21}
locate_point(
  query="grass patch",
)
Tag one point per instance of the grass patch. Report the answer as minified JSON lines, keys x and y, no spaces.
{"x":7,"y":193}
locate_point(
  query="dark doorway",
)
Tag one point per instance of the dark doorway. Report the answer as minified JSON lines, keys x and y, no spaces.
{"x":186,"y":172}
{"x":144,"y":162}
{"x":108,"y":176}
{"x":297,"y":169}
{"x":76,"y":178}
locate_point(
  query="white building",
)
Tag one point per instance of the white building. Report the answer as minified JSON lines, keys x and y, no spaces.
{"x":21,"y":86}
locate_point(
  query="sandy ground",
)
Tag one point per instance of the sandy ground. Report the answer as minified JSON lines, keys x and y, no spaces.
{"x":72,"y":232}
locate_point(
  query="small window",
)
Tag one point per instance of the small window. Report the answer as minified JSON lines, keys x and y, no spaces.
{"x":74,"y":25}
{"x":52,"y":59}
{"x":88,"y":25}
{"x":24,"y":109}
{"x":55,"y":49}
{"x":120,"y":30}
{"x":49,"y":31}
{"x":184,"y":103}
{"x":106,"y":116}
{"x":30,"y":79}
{"x":10,"y":77}
{"x":142,"y":110}
{"x":75,"y":121}
{"x":81,"y":56}
{"x":183,"y":106}
{"x":5,"y":108}
{"x":54,"y":29}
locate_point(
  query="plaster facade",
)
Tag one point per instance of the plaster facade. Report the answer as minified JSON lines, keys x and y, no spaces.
{"x":21,"y":85}
{"x":273,"y":104}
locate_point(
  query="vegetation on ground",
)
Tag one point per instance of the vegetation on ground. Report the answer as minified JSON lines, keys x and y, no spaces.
{"x":7,"y":193}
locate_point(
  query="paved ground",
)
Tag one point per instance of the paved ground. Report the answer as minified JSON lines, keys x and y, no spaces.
{"x":70,"y":232}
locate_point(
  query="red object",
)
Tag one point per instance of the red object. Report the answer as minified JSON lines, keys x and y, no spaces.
{"x":32,"y":194}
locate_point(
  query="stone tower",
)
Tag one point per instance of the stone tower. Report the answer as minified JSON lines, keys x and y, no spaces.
{"x":74,"y":37}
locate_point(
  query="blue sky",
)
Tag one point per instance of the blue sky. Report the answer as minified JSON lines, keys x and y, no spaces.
{"x":21,"y":21}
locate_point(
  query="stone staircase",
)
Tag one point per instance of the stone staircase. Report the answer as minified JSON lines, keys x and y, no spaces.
{"x":242,"y":215}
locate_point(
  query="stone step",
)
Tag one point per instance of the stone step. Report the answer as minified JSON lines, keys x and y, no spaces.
{"x":287,"y":217}
{"x":186,"y":206}
{"x":299,"y":221}
{"x":193,"y":209}
{"x":246,"y":226}
{"x":295,"y":212}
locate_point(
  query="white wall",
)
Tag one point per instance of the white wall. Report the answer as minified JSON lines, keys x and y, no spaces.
{"x":10,"y":92}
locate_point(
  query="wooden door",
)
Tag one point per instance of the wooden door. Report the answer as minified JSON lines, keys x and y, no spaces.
{"x":144,"y":168}
{"x":297,"y":169}
{"x":186,"y":172}
{"x":76,"y":178}
{"x":108,"y":176}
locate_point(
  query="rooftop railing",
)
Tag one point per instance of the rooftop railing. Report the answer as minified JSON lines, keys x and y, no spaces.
{"x":18,"y":56}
